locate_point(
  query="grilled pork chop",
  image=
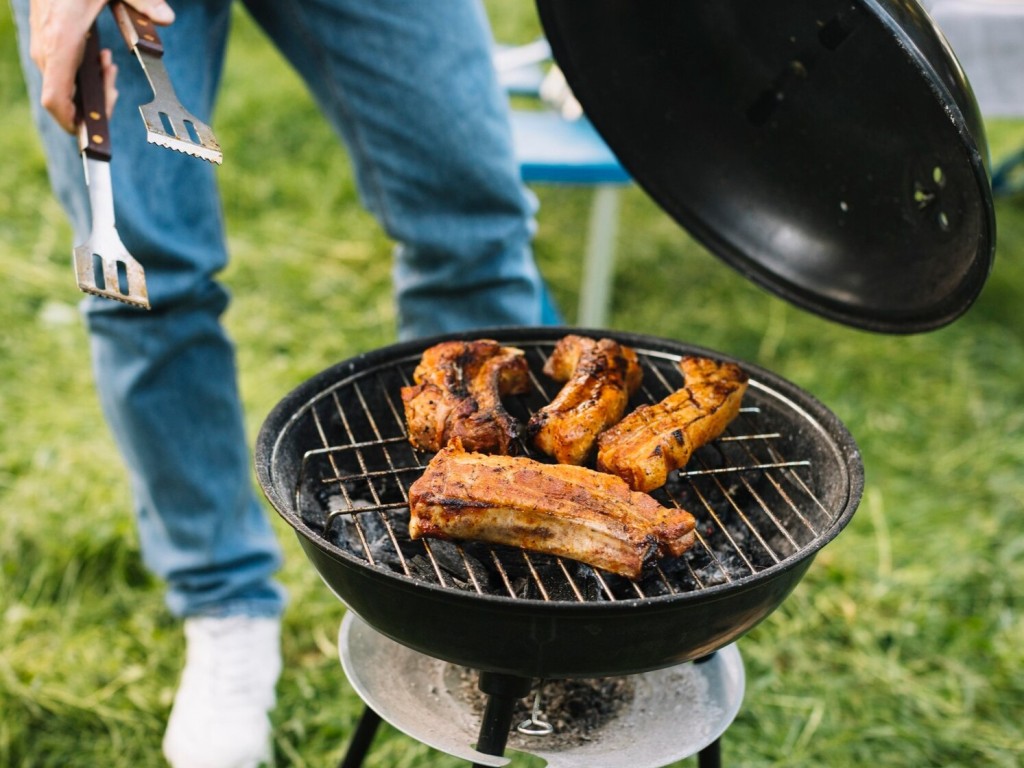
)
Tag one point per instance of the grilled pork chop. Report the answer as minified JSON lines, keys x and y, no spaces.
{"x":655,"y":439}
{"x":600,"y":377}
{"x":557,"y":509}
{"x":458,"y":391}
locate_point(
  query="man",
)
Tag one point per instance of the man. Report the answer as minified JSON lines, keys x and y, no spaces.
{"x":409,"y":88}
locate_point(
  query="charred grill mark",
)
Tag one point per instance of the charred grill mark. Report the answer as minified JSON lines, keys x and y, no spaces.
{"x":557,"y":509}
{"x":656,"y":439}
{"x":600,"y":377}
{"x":457,"y":393}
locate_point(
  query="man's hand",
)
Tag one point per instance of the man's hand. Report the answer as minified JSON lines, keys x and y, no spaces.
{"x":58,"y":29}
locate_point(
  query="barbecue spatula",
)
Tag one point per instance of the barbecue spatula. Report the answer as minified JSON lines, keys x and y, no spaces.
{"x":102,"y":264}
{"x":168,"y":123}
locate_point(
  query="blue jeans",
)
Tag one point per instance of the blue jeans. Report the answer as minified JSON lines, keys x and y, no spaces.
{"x":409,"y":88}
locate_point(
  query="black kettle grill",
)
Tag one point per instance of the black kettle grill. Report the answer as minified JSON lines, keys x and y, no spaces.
{"x":829,"y":150}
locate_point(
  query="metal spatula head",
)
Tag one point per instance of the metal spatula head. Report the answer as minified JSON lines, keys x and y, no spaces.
{"x":168,"y":123}
{"x":121,"y":279}
{"x":178,"y":129}
{"x":103,"y":265}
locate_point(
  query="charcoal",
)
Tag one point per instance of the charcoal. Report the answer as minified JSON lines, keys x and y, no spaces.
{"x":525,"y":589}
{"x":448,"y":558}
{"x":560,"y":590}
{"x":711,"y":456}
{"x":726,"y":567}
{"x":421,"y":568}
{"x":484,"y":577}
{"x":585,"y":579}
{"x":653,"y":586}
{"x":679,"y":574}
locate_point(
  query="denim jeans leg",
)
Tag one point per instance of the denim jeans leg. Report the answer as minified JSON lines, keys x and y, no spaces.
{"x":411,"y":89}
{"x":166,"y":378}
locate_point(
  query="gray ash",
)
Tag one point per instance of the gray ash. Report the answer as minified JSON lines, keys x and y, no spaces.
{"x":576,"y":709}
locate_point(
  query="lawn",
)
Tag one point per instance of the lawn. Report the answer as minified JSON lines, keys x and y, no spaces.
{"x":903,"y":646}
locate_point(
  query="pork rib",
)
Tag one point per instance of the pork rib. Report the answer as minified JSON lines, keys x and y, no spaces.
{"x":557,"y":509}
{"x":655,"y":439}
{"x":600,"y":377}
{"x":458,"y":391}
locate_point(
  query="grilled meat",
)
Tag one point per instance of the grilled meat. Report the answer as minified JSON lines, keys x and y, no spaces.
{"x":557,"y":509}
{"x":458,"y":391}
{"x":600,"y":377}
{"x":655,"y":439}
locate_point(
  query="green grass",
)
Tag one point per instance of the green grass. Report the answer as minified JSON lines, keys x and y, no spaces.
{"x":901,"y":647}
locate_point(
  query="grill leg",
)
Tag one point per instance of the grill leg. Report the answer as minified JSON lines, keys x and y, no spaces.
{"x":361,"y":739}
{"x":711,"y":755}
{"x":502,"y":692}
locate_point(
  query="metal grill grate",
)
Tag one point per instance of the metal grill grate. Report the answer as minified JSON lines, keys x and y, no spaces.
{"x":756,"y":492}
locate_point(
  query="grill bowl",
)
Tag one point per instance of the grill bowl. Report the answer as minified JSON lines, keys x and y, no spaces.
{"x":783,"y":482}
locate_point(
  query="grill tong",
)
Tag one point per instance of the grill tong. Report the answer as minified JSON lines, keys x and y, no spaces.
{"x":103,"y":266}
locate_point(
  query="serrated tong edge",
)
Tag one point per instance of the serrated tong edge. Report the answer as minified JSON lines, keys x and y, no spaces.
{"x":168,"y":123}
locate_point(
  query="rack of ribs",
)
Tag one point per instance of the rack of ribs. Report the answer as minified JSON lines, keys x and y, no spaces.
{"x":556,"y":509}
{"x":600,"y":378}
{"x":457,"y":394}
{"x":655,"y":439}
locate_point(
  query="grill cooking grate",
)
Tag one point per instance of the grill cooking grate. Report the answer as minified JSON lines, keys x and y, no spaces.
{"x":755,"y":492}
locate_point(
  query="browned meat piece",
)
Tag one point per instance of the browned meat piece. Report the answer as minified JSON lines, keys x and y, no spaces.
{"x":655,"y":439}
{"x":601,"y":376}
{"x":557,"y":509}
{"x":458,"y":391}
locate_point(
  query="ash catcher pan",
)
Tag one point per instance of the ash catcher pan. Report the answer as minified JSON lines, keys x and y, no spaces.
{"x":832,"y":152}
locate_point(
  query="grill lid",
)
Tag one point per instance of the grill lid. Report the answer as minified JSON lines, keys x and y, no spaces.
{"x":830,"y":151}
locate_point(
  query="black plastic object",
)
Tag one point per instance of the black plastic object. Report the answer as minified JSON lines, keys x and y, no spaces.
{"x":347,"y":406}
{"x":831,"y":151}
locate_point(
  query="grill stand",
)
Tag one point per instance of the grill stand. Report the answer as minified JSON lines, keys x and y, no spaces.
{"x":373,"y":662}
{"x":361,"y":739}
{"x":502,"y":692}
{"x":493,"y":736}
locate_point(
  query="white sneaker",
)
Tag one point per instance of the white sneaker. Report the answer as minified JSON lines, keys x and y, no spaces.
{"x":220,"y":717}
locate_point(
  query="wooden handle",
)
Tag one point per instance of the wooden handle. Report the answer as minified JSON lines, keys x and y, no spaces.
{"x":93,"y":131}
{"x":136,"y":28}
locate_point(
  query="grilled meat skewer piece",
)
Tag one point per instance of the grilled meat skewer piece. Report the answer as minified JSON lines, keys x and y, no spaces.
{"x":458,"y":391}
{"x":557,"y":509}
{"x":655,"y":439}
{"x":600,"y":377}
